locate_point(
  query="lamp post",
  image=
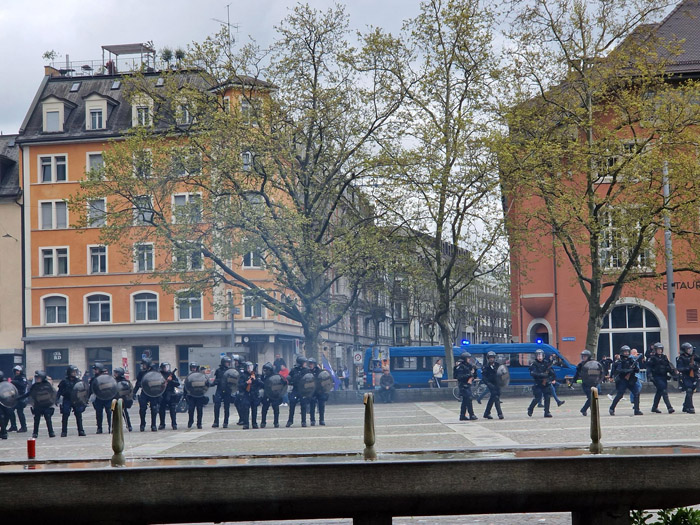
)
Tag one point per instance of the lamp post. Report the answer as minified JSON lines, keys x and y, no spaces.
{"x":670,"y":293}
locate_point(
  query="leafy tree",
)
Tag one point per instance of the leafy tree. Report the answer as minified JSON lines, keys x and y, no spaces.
{"x":272,"y":145}
{"x":595,"y":121}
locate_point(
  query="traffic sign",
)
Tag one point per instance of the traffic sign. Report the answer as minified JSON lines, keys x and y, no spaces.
{"x":357,"y":357}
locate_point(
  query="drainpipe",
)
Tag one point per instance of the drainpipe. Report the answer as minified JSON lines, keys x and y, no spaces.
{"x":556,"y":294}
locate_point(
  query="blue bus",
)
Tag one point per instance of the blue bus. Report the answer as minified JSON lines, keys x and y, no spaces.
{"x":412,"y":366}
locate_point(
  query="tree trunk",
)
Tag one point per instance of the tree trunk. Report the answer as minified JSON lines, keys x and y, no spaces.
{"x":595,"y":322}
{"x":447,"y":341}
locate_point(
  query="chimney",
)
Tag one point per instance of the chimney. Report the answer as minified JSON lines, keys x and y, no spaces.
{"x":51,"y":71}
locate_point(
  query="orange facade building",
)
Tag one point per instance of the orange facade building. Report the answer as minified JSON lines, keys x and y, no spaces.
{"x":85,"y":301}
{"x":546,"y":300}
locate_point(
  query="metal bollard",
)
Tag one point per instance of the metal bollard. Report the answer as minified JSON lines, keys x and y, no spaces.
{"x":596,"y":446}
{"x":370,"y":453}
{"x":118,"y":459}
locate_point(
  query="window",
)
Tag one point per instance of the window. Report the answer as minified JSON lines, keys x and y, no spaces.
{"x":187,"y":208}
{"x":185,"y":162}
{"x":615,"y":243}
{"x":143,"y":257}
{"x":55,"y":362}
{"x":252,"y":260}
{"x":52,"y":168}
{"x":247,"y":160}
{"x":227,"y":105}
{"x":54,"y":261}
{"x":100,"y":355}
{"x":143,"y":210}
{"x":183,"y":115}
{"x":55,"y":310}
{"x":75,"y":87}
{"x":52,"y":122}
{"x":143,"y":164}
{"x":629,"y":324}
{"x":98,"y":259}
{"x":97,"y":211}
{"x":252,"y":307}
{"x":96,"y":121}
{"x":145,"y":307}
{"x":189,"y":306}
{"x":98,"y":308}
{"x":188,"y":258}
{"x":143,"y":116}
{"x":116,"y":84}
{"x":405,"y":363}
{"x":95,"y":161}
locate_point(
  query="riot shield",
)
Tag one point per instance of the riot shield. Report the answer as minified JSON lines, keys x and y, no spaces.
{"x":104,"y":387}
{"x":591,"y":373}
{"x":43,"y":395}
{"x":503,"y":375}
{"x":124,"y":390}
{"x":196,"y":384}
{"x":153,"y":384}
{"x":275,"y":387}
{"x":306,"y":385}
{"x":324,"y":382}
{"x":8,"y":394}
{"x":231,"y":379}
{"x":79,"y":395}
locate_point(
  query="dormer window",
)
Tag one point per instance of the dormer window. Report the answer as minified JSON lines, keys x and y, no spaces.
{"x":142,"y":111}
{"x":95,"y":112}
{"x":53,"y":111}
{"x":96,"y":119}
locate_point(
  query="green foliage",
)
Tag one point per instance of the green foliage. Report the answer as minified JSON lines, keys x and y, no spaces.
{"x":680,"y":516}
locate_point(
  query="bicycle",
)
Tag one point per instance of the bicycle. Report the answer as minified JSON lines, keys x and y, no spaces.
{"x":478,"y":388}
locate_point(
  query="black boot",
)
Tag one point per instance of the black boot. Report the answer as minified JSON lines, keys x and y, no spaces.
{"x":49,"y":426}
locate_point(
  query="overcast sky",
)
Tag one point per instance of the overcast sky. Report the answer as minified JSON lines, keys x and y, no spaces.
{"x":79,"y":27}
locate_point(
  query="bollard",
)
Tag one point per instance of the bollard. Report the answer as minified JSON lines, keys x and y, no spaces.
{"x":596,"y":446}
{"x":118,"y":459}
{"x":31,"y":448}
{"x":370,"y":453}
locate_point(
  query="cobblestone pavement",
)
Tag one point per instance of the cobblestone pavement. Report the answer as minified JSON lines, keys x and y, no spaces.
{"x":399,"y":427}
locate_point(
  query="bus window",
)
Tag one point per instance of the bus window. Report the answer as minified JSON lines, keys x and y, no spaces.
{"x":406,"y":363}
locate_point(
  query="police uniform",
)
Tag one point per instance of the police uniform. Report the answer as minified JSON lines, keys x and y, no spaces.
{"x":5,"y":414}
{"x":194,"y":403}
{"x":489,"y":374}
{"x":65,"y":389}
{"x":119,"y":377}
{"x":267,"y":402}
{"x":40,"y":384}
{"x":586,"y":384}
{"x":688,"y":369}
{"x":465,"y":373}
{"x":295,"y":376}
{"x":249,"y":386}
{"x":146,"y":401}
{"x":624,"y":372}
{"x":170,"y":398}
{"x":661,"y":371}
{"x":20,"y":382}
{"x":223,"y":392}
{"x":102,"y":406}
{"x":542,"y":376}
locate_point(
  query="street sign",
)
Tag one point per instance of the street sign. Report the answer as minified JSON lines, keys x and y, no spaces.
{"x":357,"y":357}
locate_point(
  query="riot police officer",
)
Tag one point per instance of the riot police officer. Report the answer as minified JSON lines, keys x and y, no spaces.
{"x":295,"y":376}
{"x":249,"y":385}
{"x":661,"y":371}
{"x":240,"y":366}
{"x":688,"y":369}
{"x":625,"y":371}
{"x":4,"y":413}
{"x":194,"y":402}
{"x":465,"y":373}
{"x":489,"y":374}
{"x":267,"y":402}
{"x":586,"y":380}
{"x":318,"y":398}
{"x":20,"y":382}
{"x":223,"y":392}
{"x":542,"y":377}
{"x":41,"y":385}
{"x":65,"y":389}
{"x":146,"y":401}
{"x":102,"y":407}
{"x":127,"y":401}
{"x":170,"y":398}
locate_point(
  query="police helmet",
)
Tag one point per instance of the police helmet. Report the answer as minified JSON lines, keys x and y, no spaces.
{"x":146,"y":363}
{"x":301,"y":360}
{"x":465,"y":356}
{"x":165,"y":366}
{"x":194,"y":367}
{"x":249,"y":366}
{"x":624,"y":348}
{"x":587,"y":354}
{"x":40,"y":374}
{"x":267,"y":367}
{"x":2,"y":376}
{"x":70,"y":369}
{"x":490,"y":354}
{"x":687,"y":348}
{"x":539,"y":352}
{"x":226,"y":361}
{"x":237,"y":357}
{"x":18,"y":368}
{"x":119,"y":371}
{"x":97,"y":366}
{"x":311,"y":361}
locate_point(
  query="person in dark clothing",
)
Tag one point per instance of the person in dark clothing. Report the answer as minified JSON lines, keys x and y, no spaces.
{"x":42,"y":407}
{"x":249,"y":385}
{"x":542,"y":376}
{"x":4,"y":413}
{"x":170,"y":397}
{"x":661,"y":371}
{"x":102,"y":407}
{"x":688,"y":369}
{"x":119,"y":376}
{"x":20,"y":382}
{"x":223,"y":392}
{"x":318,"y":399}
{"x":295,"y":376}
{"x":465,"y":373}
{"x":278,"y":364}
{"x":489,"y":374}
{"x":607,"y":364}
{"x":268,"y":372}
{"x":386,"y":387}
{"x":146,"y":401}
{"x":65,"y":388}
{"x":624,"y":372}
{"x":194,"y":402}
{"x":586,"y":383}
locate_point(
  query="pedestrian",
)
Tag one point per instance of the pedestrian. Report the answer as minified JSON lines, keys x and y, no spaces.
{"x":437,"y":372}
{"x":284,"y":373}
{"x":386,"y":387}
{"x":279,"y":363}
{"x":346,"y":377}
